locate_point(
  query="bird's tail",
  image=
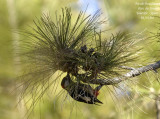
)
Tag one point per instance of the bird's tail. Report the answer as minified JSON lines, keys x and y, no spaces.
{"x":98,"y":101}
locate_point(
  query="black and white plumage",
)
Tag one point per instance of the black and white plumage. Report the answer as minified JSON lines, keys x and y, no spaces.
{"x":81,"y":92}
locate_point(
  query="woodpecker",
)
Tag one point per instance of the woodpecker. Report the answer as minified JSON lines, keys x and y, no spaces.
{"x":81,"y":92}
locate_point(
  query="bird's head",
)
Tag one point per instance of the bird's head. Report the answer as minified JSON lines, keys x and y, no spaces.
{"x":66,"y":81}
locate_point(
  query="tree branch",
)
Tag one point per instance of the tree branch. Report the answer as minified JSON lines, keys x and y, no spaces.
{"x":132,"y":73}
{"x":125,"y":67}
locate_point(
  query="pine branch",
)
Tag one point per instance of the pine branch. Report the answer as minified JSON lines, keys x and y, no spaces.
{"x":132,"y":73}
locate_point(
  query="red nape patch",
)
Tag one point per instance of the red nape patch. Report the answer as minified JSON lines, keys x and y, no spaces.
{"x":62,"y":86}
{"x":96,"y":93}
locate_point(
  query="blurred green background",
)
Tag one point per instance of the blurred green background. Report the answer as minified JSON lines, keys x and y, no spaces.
{"x":17,"y":15}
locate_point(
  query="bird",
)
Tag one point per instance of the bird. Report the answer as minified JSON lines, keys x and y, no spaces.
{"x":81,"y":92}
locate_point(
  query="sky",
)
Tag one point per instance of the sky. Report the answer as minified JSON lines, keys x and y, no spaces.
{"x":91,"y":5}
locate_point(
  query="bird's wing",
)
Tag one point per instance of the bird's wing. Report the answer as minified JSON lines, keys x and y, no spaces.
{"x":85,"y":98}
{"x":87,"y":88}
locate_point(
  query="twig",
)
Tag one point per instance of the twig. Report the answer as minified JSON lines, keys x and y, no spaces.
{"x":132,"y":73}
